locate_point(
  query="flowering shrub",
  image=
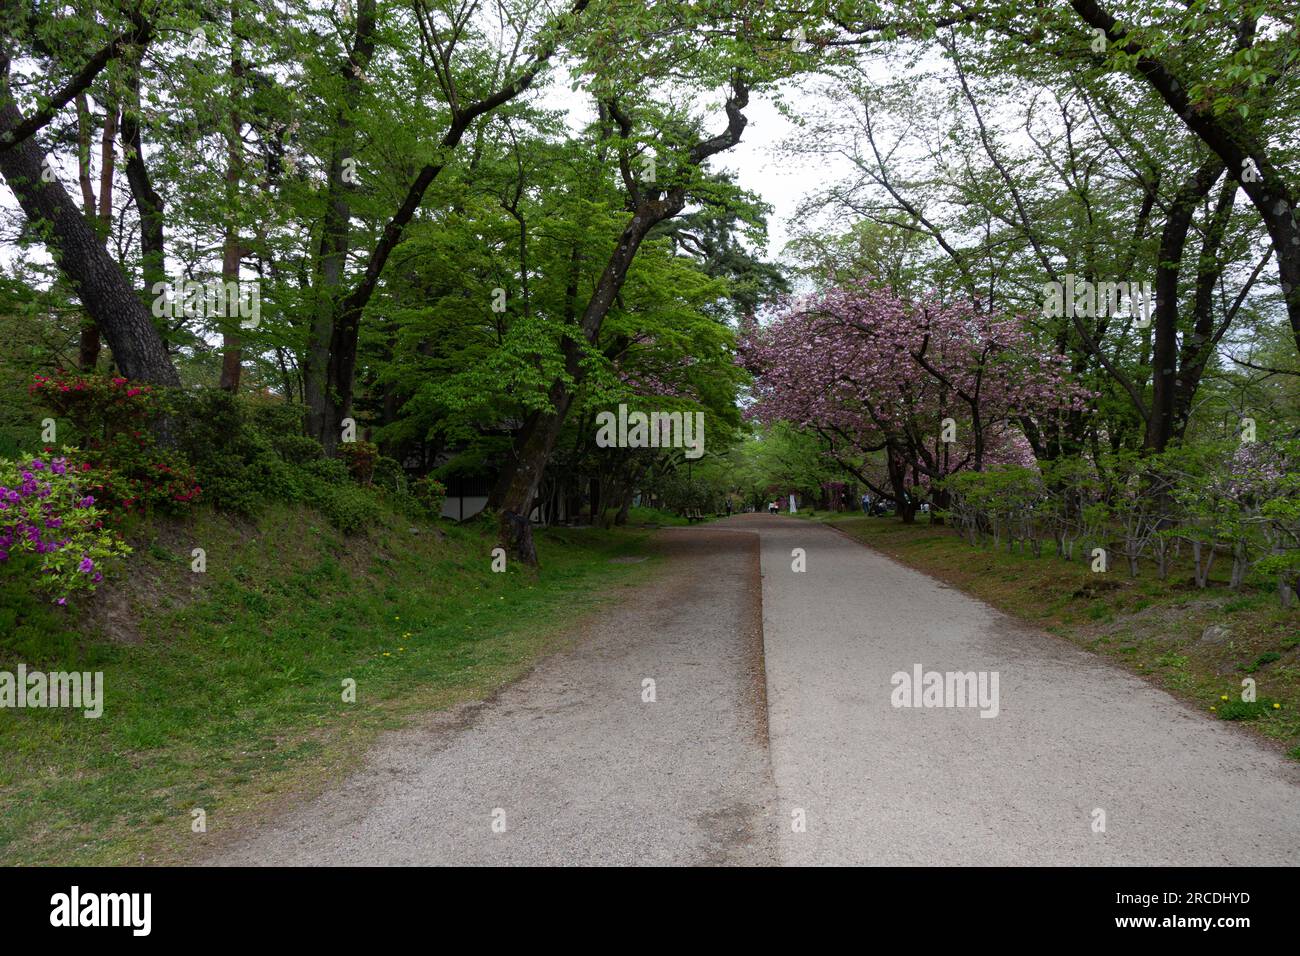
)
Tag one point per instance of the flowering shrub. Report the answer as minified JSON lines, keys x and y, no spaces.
{"x":1241,"y":499}
{"x":99,"y":406}
{"x":129,"y":475}
{"x":431,"y":493}
{"x":360,"y":457}
{"x":47,"y":512}
{"x":118,"y":460}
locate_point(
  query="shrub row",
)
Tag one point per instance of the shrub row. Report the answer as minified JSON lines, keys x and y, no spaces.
{"x":141,"y":450}
{"x":1241,"y":502}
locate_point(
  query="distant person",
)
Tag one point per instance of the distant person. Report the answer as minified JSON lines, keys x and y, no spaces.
{"x":771,"y":507}
{"x":866,"y":504}
{"x":728,"y":507}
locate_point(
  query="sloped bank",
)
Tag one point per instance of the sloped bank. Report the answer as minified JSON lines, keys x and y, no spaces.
{"x":225,"y":690}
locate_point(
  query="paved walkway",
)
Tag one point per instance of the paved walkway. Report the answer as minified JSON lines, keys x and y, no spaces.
{"x":813,"y":765}
{"x":1073,"y":734}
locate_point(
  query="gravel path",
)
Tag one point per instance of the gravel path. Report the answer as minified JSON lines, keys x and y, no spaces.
{"x":773,"y":739}
{"x":583,"y":770}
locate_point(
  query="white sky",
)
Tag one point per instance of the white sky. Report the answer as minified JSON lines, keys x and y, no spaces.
{"x":778,"y":180}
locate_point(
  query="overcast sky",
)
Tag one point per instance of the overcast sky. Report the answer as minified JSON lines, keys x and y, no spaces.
{"x":779,"y":180}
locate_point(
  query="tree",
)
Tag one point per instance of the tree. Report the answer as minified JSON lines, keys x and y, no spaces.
{"x":653,"y":203}
{"x":936,"y":388}
{"x":98,"y":281}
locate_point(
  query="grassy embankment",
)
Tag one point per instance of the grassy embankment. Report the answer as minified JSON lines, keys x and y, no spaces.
{"x":1197,"y":644}
{"x":224,"y":690}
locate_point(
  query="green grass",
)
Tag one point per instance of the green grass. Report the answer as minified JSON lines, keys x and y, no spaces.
{"x":1244,"y":710}
{"x":1268,"y":657}
{"x":232,"y":694}
{"x":1147,"y":625}
{"x":653,"y":516}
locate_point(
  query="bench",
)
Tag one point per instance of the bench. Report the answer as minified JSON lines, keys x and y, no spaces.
{"x":694,"y":514}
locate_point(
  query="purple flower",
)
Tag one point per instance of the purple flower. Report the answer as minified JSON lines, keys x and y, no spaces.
{"x":86,"y":565}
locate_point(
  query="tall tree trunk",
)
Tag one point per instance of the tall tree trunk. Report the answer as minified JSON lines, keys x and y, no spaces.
{"x":530,"y":459}
{"x":1204,"y":337}
{"x":231,"y":253}
{"x":1164,"y":354}
{"x":323,"y":419}
{"x":99,"y":282}
{"x":896,"y":463}
{"x":99,"y":213}
{"x":107,"y":166}
{"x":520,"y":496}
{"x":148,"y":204}
{"x":88,"y":347}
{"x":232,"y":350}
{"x":85,"y":129}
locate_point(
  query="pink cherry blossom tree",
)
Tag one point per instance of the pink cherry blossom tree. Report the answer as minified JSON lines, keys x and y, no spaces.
{"x":922,"y":388}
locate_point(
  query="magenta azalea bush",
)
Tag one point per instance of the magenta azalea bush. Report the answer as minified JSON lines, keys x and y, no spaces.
{"x":114,"y":418}
{"x":46,"y":512}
